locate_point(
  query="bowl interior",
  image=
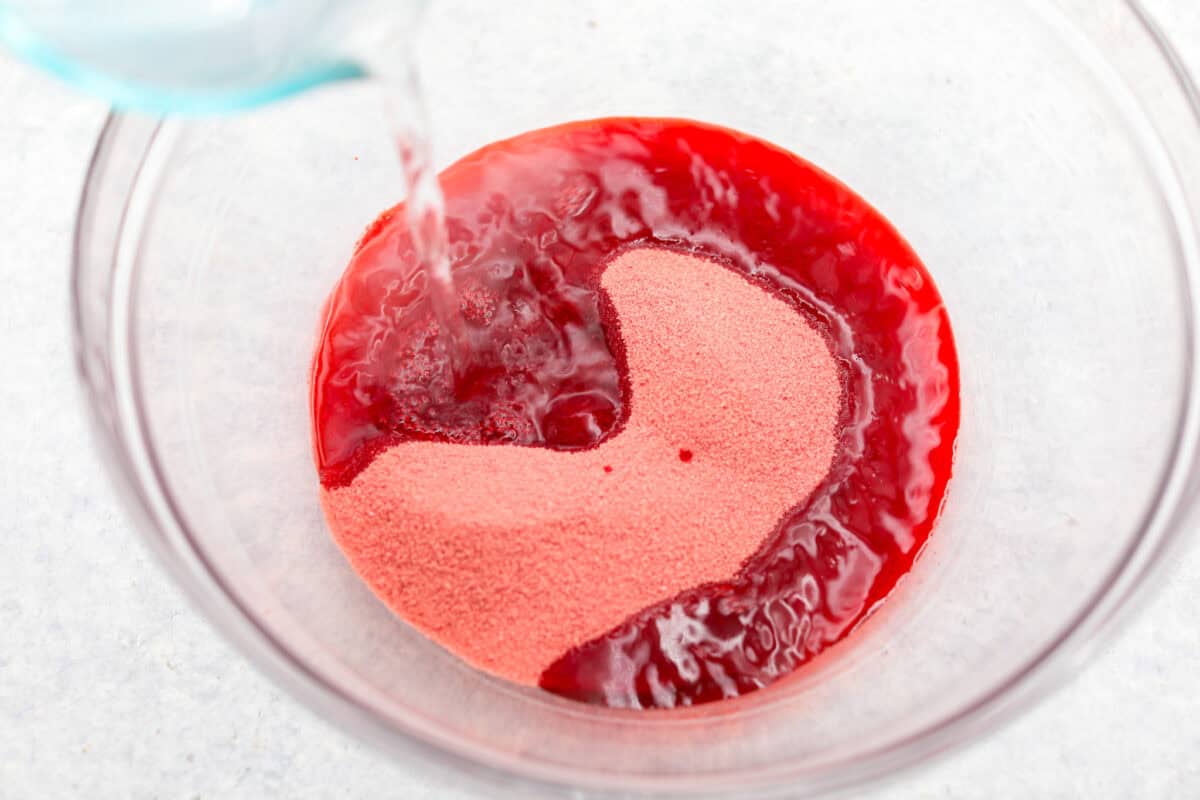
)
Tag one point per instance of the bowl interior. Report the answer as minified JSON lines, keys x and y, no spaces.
{"x":1023,"y":177}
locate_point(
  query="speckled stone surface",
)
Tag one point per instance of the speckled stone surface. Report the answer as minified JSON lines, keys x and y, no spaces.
{"x":111,"y":686}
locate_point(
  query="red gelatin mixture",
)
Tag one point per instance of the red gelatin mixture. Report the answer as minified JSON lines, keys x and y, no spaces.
{"x":533,"y":222}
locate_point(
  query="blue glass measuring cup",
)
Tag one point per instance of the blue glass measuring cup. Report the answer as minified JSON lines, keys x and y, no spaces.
{"x":202,"y":56}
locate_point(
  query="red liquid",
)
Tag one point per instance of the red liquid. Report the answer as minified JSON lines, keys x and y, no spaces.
{"x":531,"y":222}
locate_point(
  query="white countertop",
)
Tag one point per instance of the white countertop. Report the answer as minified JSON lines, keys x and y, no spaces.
{"x":112,"y":686}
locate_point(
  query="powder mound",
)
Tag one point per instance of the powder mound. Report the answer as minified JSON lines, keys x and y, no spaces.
{"x":511,"y":556}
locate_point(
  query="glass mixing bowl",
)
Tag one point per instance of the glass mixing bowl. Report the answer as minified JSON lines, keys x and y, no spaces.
{"x":1040,"y":157}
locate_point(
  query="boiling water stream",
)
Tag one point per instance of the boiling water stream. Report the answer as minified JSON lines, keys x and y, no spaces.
{"x":424,"y":207}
